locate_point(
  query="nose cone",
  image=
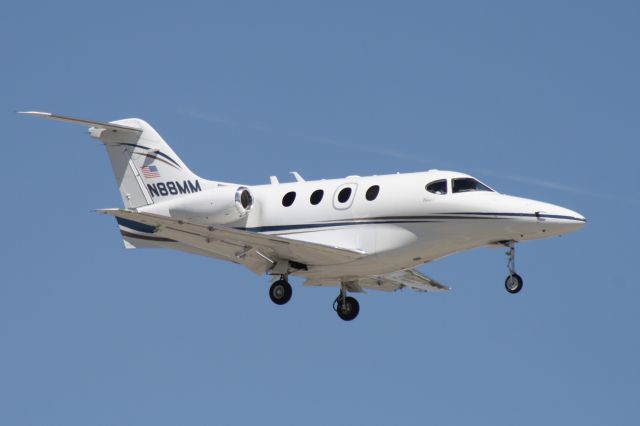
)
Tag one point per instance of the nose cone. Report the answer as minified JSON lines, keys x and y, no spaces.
{"x":557,"y":220}
{"x":533,"y":219}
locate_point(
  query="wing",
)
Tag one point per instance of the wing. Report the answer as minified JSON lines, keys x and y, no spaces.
{"x":258,"y":252}
{"x":387,"y":282}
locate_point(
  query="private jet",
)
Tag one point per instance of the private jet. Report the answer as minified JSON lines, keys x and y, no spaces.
{"x":354,"y":233}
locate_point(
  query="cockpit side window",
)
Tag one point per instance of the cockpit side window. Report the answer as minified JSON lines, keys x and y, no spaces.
{"x":437,"y":187}
{"x":468,"y":185}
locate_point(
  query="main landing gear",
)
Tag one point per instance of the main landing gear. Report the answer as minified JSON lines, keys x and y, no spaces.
{"x":345,"y":306}
{"x":513,"y":283}
{"x":280,"y":291}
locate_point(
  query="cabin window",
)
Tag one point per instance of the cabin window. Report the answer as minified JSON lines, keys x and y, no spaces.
{"x":469,"y":185}
{"x":316,"y":196}
{"x":437,"y":187}
{"x":372,"y":193}
{"x":288,"y":198}
{"x":344,"y":195}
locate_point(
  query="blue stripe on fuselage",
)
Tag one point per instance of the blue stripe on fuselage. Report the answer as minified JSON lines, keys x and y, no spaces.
{"x":140,"y":227}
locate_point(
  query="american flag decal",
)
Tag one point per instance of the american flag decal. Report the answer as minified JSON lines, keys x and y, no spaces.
{"x":150,"y":172}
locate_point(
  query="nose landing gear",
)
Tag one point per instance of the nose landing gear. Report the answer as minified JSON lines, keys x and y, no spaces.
{"x":513,"y":283}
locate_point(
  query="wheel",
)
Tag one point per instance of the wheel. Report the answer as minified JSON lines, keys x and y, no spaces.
{"x":347,"y":310}
{"x":280,"y":292}
{"x":513,"y":283}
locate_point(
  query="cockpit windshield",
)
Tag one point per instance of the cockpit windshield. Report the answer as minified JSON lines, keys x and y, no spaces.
{"x":468,"y":185}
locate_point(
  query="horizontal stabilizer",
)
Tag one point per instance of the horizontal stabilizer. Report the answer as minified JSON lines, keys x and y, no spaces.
{"x":96,"y":124}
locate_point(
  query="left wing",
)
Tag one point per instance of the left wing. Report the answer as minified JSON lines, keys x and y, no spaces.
{"x":269,"y":248}
{"x":387,"y":282}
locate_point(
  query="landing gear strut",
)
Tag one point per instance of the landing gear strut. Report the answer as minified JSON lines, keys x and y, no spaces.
{"x":280,"y":291}
{"x":513,"y":283}
{"x":345,"y":306}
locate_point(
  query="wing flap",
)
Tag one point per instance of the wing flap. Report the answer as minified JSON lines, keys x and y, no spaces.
{"x":415,"y":280}
{"x":388,"y":282}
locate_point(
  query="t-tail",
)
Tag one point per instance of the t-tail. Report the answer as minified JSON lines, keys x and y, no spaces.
{"x":147,"y":170}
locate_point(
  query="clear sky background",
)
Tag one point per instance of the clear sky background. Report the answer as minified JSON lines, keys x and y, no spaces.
{"x":538,"y":99}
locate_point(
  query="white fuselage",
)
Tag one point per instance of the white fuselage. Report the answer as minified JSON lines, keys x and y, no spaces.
{"x":356,"y":233}
{"x":404,"y":226}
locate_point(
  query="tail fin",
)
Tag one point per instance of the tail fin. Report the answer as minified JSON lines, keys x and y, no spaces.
{"x":146,"y":168}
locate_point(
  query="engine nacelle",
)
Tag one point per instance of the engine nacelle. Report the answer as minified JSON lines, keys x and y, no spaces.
{"x":224,"y":204}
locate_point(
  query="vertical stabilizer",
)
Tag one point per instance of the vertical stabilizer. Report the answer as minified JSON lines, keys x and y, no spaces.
{"x":146,"y":168}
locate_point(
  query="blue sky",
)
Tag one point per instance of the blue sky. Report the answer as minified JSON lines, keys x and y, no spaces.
{"x":538,"y":99}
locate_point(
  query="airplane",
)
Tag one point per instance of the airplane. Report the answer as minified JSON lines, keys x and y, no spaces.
{"x":354,"y":233}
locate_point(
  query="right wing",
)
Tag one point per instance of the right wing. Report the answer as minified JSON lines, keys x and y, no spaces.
{"x":259,"y":252}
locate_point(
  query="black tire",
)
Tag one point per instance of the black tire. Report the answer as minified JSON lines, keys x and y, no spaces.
{"x":348,"y":310}
{"x":513,"y":283}
{"x":280,"y":292}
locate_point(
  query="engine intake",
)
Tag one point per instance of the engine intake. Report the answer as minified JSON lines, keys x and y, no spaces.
{"x":225,"y":204}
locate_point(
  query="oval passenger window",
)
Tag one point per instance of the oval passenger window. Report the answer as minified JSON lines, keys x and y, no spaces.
{"x":372,"y":193}
{"x":288,"y":198}
{"x":344,"y":195}
{"x":316,"y":197}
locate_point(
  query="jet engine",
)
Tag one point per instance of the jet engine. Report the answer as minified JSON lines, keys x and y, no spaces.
{"x":222,"y":205}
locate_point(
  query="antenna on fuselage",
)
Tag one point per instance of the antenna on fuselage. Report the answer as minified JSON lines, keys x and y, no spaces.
{"x":297,"y":176}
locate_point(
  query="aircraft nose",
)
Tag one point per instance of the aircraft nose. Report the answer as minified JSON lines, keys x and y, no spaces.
{"x":579,"y":217}
{"x":560,"y":220}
